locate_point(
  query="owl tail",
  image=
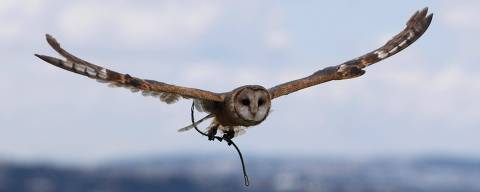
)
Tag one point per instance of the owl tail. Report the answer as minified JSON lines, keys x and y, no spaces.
{"x":196,"y":123}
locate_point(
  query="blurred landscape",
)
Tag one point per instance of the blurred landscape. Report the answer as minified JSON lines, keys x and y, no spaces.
{"x":266,"y":174}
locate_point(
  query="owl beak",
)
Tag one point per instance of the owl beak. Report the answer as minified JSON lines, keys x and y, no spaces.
{"x":254,"y":111}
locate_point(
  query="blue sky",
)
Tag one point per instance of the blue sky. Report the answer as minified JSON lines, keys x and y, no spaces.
{"x":422,"y":101}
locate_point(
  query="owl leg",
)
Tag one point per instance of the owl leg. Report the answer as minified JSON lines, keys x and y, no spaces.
{"x":212,"y":132}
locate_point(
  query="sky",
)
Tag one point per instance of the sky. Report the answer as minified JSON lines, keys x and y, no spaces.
{"x":422,"y":101}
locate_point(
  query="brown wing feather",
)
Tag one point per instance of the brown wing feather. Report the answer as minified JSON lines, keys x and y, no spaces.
{"x":416,"y":26}
{"x":166,"y":92}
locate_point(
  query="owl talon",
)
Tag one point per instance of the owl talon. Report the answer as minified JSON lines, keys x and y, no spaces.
{"x":211,"y":134}
{"x":228,"y":135}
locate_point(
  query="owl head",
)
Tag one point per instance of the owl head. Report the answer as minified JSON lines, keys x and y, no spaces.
{"x":251,"y":103}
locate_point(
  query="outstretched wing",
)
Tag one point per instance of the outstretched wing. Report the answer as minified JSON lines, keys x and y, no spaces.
{"x":416,"y":26}
{"x":166,"y":92}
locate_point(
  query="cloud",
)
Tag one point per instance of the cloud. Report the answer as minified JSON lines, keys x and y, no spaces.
{"x":435,"y":95}
{"x":276,"y":35}
{"x":15,"y":17}
{"x":24,"y":6}
{"x":457,"y":33}
{"x":171,"y":22}
{"x":233,"y":75}
{"x":462,"y":17}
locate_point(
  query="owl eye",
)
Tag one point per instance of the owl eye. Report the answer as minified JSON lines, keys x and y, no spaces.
{"x":245,"y":102}
{"x":261,"y":102}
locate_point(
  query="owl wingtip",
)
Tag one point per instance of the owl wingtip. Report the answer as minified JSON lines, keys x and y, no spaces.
{"x":48,"y":36}
{"x":48,"y":59}
{"x":42,"y":57}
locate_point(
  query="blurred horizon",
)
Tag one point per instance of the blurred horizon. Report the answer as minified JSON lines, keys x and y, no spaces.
{"x":418,"y":103}
{"x":212,"y":173}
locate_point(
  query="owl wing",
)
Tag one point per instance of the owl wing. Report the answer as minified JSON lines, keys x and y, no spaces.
{"x":166,"y":92}
{"x":415,"y":28}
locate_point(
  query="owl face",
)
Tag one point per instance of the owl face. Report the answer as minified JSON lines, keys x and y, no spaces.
{"x":252,"y":104}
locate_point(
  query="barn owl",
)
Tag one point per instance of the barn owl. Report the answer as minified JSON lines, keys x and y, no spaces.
{"x":247,"y":105}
